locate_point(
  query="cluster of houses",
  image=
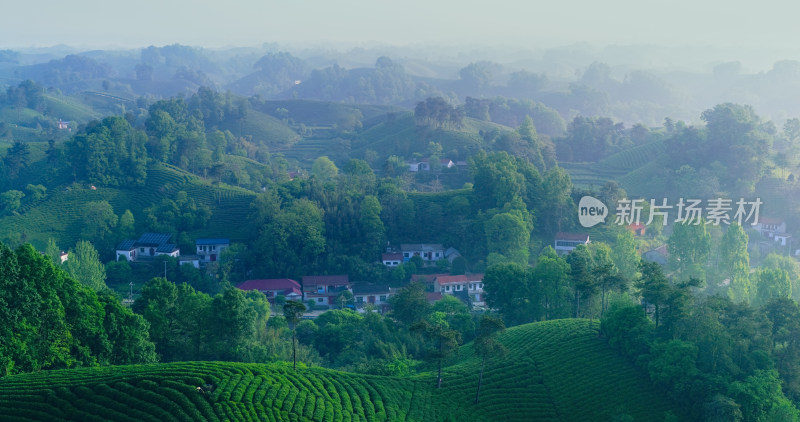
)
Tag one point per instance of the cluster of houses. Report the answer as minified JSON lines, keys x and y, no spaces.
{"x":325,"y":290}
{"x":151,"y":245}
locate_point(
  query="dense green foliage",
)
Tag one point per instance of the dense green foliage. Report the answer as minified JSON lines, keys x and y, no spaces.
{"x":50,"y":321}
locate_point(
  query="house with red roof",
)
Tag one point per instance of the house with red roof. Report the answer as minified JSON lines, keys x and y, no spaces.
{"x":461,"y":285}
{"x":274,"y":287}
{"x":323,"y":289}
{"x":769,"y":227}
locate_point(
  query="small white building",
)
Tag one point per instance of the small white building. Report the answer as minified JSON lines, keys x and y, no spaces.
{"x":148,"y":246}
{"x":391,"y":259}
{"x":567,"y":242}
{"x":209,"y":250}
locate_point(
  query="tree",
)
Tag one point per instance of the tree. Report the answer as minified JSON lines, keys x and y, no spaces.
{"x":784,"y":314}
{"x":37,"y":192}
{"x":11,"y":200}
{"x":127,"y":332}
{"x":126,"y":226}
{"x":372,"y":227}
{"x":689,"y":247}
{"x":507,"y":289}
{"x":324,"y":169}
{"x":508,"y":234}
{"x":486,"y":344}
{"x":624,"y":254}
{"x":654,"y":287}
{"x":410,"y":304}
{"x":580,"y":273}
{"x":98,"y":222}
{"x":85,"y":266}
{"x":445,"y":340}
{"x":233,"y":323}
{"x":735,"y":263}
{"x":17,"y":157}
{"x":551,"y":281}
{"x":293,"y":311}
{"x":607,"y":277}
{"x":772,"y":283}
{"x":53,"y":252}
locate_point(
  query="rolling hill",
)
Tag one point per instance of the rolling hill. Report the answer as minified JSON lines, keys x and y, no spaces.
{"x":554,"y":371}
{"x":59,"y":215}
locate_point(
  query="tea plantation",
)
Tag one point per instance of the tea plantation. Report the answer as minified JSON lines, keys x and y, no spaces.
{"x":554,"y":371}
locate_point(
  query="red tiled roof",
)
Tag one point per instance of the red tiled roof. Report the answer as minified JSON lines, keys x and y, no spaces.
{"x":433,"y":296}
{"x":449,"y":279}
{"x":392,"y":257}
{"x":270,"y":284}
{"x":770,"y":220}
{"x":294,"y":290}
{"x":427,"y":278}
{"x":314,"y":280}
{"x":475,"y":277}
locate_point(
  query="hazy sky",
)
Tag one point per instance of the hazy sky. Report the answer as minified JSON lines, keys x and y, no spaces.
{"x":138,"y":23}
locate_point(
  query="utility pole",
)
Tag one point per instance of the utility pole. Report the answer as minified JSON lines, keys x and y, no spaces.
{"x":165,"y":270}
{"x":130,"y":296}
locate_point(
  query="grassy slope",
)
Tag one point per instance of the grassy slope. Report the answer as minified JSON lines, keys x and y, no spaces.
{"x":557,"y":370}
{"x":59,"y":214}
{"x":264,"y":129}
{"x":401,"y":136}
{"x":627,"y":167}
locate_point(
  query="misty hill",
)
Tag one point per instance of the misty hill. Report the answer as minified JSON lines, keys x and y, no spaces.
{"x":557,"y":370}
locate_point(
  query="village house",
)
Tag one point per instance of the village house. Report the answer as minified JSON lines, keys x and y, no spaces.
{"x":566,"y":242}
{"x":274,"y":287}
{"x":192,"y":260}
{"x":374,"y":294}
{"x":659,"y":255}
{"x":769,"y":227}
{"x":427,"y":279}
{"x":428,"y":252}
{"x":209,"y":250}
{"x":425,"y":165}
{"x":323,"y":289}
{"x":148,"y":246}
{"x":391,"y":259}
{"x":471,"y":285}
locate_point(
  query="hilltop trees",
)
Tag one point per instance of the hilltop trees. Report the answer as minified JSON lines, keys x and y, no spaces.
{"x":437,"y":113}
{"x":110,"y":152}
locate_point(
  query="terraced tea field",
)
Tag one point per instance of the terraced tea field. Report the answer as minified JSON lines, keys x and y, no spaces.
{"x":554,"y":371}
